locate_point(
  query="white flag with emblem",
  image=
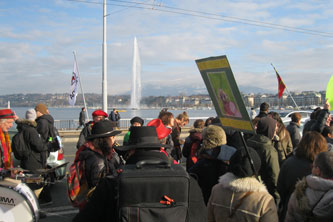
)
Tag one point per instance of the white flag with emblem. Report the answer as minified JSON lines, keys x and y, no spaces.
{"x":74,"y":86}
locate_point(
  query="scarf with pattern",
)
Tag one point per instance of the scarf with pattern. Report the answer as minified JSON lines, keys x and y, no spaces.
{"x":6,"y":150}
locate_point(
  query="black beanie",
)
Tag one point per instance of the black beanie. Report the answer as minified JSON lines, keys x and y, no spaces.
{"x":240,"y":164}
{"x":137,"y":119}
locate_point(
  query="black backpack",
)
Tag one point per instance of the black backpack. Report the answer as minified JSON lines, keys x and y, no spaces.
{"x":55,"y":142}
{"x":20,"y":149}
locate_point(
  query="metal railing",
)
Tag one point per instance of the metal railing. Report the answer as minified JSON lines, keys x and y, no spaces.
{"x":123,"y":123}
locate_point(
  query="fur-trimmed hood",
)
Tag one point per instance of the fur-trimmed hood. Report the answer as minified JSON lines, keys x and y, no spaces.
{"x":26,"y":122}
{"x":313,"y":190}
{"x":246,"y":184}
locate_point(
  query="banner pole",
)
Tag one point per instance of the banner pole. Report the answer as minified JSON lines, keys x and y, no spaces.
{"x":78,"y":73}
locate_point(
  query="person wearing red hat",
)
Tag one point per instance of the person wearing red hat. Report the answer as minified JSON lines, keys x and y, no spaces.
{"x":97,"y":116}
{"x":7,"y":117}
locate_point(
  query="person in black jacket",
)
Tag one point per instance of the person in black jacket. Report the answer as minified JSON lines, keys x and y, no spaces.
{"x":263,"y":110}
{"x":45,"y":124}
{"x":322,"y":118}
{"x":82,"y":118}
{"x":37,"y":148}
{"x":143,"y":145}
{"x":98,"y":153}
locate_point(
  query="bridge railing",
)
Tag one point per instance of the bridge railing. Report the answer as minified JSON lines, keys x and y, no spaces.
{"x":124,"y":123}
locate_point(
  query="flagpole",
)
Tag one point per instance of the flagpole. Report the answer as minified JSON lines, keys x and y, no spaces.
{"x":78,"y":74}
{"x":287,"y":89}
{"x":104,"y":72}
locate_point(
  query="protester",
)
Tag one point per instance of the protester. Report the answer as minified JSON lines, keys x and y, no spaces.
{"x":37,"y":149}
{"x":213,"y":160}
{"x":82,"y":118}
{"x":193,"y":143}
{"x":97,"y":153}
{"x":44,"y":121}
{"x":97,"y":116}
{"x":135,"y":122}
{"x":282,"y":140}
{"x":294,"y":129}
{"x":262,"y":143}
{"x":45,"y":124}
{"x":263,"y":112}
{"x":209,"y":121}
{"x":322,"y":118}
{"x":168,"y":120}
{"x":180,"y":121}
{"x":298,"y":166}
{"x":7,"y":117}
{"x":115,"y":117}
{"x":312,"y":199}
{"x":328,"y":134}
{"x":239,"y":196}
{"x":143,"y":145}
{"x":253,"y":113}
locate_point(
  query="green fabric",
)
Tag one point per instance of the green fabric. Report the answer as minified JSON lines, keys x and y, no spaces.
{"x":126,"y":138}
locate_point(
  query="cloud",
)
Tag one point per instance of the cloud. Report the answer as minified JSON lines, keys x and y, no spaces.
{"x":38,"y":40}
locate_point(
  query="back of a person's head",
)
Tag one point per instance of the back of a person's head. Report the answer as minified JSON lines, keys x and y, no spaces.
{"x":199,"y":123}
{"x":275,"y":116}
{"x":240,"y":164}
{"x":183,"y":116}
{"x":295,"y":117}
{"x":165,"y":117}
{"x":310,"y":145}
{"x":327,"y":130}
{"x":209,"y":121}
{"x":264,"y":107}
{"x":324,"y":161}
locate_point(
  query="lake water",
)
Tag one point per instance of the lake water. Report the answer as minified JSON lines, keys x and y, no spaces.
{"x":72,"y":113}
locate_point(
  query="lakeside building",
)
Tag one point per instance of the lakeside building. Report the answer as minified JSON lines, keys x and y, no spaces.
{"x":304,"y":99}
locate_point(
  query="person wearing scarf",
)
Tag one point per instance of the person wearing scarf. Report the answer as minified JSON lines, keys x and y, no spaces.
{"x":7,"y":117}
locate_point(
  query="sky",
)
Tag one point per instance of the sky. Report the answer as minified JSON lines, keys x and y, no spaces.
{"x":38,"y":37}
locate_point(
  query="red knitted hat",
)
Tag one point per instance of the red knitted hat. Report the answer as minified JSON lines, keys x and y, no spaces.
{"x":7,"y":114}
{"x":99,"y":112}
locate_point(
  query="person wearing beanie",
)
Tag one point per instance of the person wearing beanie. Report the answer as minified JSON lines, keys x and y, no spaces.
{"x":262,"y":142}
{"x":135,"y":122}
{"x":213,"y":159}
{"x":37,"y":150}
{"x":263,"y":112}
{"x":97,"y":116}
{"x":239,"y":196}
{"x":7,"y":117}
{"x":45,"y":125}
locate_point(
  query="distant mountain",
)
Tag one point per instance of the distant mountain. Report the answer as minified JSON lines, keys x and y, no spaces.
{"x":176,"y":90}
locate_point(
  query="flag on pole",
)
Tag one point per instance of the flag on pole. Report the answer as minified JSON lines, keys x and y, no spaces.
{"x":74,"y":84}
{"x":281,"y":85}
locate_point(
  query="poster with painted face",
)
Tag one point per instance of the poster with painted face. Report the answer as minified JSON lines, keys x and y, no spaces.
{"x":224,"y":92}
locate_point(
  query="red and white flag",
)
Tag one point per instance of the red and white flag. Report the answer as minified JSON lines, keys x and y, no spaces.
{"x":74,"y":85}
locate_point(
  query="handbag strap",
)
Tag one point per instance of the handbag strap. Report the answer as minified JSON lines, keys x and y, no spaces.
{"x":239,"y":204}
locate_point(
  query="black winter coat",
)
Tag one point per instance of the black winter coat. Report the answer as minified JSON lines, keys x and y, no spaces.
{"x":38,"y":149}
{"x":44,"y":124}
{"x":292,"y":170}
{"x":95,"y":167}
{"x":86,"y":131}
{"x":102,"y":205}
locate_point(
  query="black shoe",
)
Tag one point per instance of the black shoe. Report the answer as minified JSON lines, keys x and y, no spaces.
{"x":44,"y":203}
{"x":42,"y":215}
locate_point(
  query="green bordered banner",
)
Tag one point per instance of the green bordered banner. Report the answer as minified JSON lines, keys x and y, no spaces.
{"x":224,"y":92}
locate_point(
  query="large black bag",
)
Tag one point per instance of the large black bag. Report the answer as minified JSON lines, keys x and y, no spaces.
{"x":20,"y":149}
{"x":153,"y":191}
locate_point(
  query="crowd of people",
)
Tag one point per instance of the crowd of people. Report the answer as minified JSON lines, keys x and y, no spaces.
{"x":277,"y":173}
